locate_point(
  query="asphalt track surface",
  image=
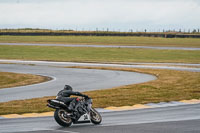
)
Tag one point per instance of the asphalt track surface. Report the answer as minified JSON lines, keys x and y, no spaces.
{"x":80,"y":79}
{"x":102,"y":46}
{"x":176,"y":119}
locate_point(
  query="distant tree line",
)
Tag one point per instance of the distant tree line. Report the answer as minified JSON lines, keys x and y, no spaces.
{"x":195,"y":33}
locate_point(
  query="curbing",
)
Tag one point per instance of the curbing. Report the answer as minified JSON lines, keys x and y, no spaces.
{"x":122,"y":108}
{"x":110,"y":109}
{"x":27,"y":115}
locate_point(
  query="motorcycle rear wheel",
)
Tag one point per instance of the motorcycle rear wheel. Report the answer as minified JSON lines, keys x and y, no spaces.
{"x":95,"y":117}
{"x":61,"y":118}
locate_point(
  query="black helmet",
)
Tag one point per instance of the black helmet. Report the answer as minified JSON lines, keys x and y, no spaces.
{"x":67,"y":87}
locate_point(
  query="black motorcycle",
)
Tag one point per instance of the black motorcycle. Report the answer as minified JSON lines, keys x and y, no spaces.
{"x":83,"y":113}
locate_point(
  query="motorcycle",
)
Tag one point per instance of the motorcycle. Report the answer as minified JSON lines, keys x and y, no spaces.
{"x":83,"y":113}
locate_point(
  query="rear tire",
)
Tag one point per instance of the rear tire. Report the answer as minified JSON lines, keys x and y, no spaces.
{"x":61,"y":118}
{"x":95,"y":117}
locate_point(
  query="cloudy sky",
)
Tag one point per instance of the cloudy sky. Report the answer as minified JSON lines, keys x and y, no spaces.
{"x":122,"y":15}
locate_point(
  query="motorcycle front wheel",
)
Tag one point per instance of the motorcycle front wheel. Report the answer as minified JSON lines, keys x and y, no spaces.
{"x":95,"y":116}
{"x":61,"y":118}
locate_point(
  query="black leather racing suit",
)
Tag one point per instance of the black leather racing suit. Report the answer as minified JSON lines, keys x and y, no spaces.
{"x":64,"y":95}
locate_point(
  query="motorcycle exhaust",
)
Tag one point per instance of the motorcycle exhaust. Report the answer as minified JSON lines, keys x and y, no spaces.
{"x":56,"y":104}
{"x":51,"y":106}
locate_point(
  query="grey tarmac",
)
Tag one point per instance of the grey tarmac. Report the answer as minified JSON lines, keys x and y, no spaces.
{"x":101,"y":46}
{"x":176,"y":119}
{"x":80,"y":79}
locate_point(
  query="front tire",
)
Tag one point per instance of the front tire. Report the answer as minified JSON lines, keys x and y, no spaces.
{"x":61,"y":118}
{"x":95,"y":116}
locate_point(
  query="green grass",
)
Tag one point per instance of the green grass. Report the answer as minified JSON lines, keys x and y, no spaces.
{"x":97,"y":54}
{"x":105,"y":40}
{"x":171,"y":85}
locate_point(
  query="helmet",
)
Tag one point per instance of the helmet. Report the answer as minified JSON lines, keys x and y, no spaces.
{"x":67,"y":87}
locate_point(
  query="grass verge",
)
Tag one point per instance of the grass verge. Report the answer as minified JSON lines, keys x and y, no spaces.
{"x":104,"y":40}
{"x":86,"y":54}
{"x":8,"y":79}
{"x":171,"y":85}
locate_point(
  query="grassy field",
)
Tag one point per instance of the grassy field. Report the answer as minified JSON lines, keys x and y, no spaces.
{"x":171,"y":85}
{"x":97,"y":54}
{"x":104,"y":40}
{"x":8,"y":79}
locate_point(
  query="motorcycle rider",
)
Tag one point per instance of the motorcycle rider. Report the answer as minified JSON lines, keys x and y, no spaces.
{"x":64,"y":95}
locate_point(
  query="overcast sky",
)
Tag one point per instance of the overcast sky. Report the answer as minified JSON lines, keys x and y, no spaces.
{"x":102,"y":14}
